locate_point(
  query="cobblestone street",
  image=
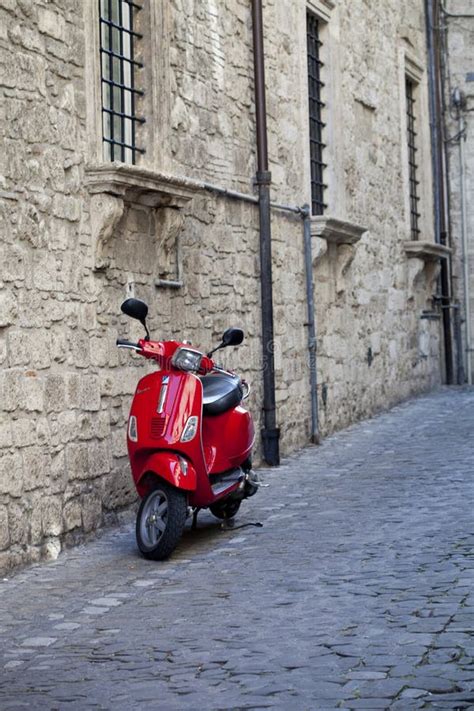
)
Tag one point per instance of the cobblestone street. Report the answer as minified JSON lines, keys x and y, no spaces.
{"x":356,"y":593}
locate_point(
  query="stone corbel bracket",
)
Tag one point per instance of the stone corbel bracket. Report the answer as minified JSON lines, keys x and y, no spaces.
{"x":428,"y":256}
{"x":427,"y":251}
{"x":336,"y":241}
{"x":336,"y":231}
{"x":106,"y":213}
{"x":334,"y":249}
{"x":115,"y":185}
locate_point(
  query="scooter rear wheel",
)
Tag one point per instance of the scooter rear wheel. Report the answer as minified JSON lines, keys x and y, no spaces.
{"x":160,"y":521}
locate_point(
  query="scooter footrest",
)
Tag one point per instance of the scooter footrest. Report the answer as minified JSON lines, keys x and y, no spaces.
{"x":226,"y":480}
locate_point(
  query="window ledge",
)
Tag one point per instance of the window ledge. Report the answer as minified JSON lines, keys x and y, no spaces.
{"x":134,"y":184}
{"x":323,"y":8}
{"x":336,"y":231}
{"x":428,"y":251}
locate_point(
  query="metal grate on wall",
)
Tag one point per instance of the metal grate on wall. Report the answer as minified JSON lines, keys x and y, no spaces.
{"x":316,"y":105}
{"x":118,"y":40}
{"x":412,"y":160}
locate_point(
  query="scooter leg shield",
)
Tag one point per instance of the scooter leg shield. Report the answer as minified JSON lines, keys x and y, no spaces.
{"x":170,"y":467}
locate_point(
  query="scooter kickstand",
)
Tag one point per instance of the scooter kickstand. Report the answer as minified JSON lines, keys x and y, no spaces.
{"x":195,"y":518}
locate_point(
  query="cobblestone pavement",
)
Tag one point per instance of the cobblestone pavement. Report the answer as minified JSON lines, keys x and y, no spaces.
{"x":357,"y":592}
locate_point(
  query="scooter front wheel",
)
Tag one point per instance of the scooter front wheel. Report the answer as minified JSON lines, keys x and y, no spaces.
{"x":160,"y":521}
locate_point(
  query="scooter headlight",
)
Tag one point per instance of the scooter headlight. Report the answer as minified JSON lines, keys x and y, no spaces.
{"x":187,"y":359}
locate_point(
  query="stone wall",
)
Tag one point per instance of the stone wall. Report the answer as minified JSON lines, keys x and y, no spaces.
{"x":65,"y":389}
{"x":459,"y":73}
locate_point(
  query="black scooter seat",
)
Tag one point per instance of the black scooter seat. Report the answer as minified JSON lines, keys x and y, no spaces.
{"x":221,"y":392}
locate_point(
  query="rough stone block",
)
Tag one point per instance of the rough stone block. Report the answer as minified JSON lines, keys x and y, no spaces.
{"x":6,"y":438}
{"x":51,"y":549}
{"x":89,"y":398}
{"x":119,"y":443}
{"x":79,"y":349}
{"x":118,"y":383}
{"x":44,"y":427}
{"x":77,"y":461}
{"x":99,"y":351}
{"x":3,"y":350}
{"x":18,"y":351}
{"x":72,"y":514}
{"x":36,"y":468}
{"x":55,"y":393}
{"x":39,"y":343}
{"x":4,"y":530}
{"x":31,"y":225}
{"x":67,"y":207}
{"x":117,"y":487}
{"x":30,"y":40}
{"x":73,"y":390}
{"x":32,"y":392}
{"x":46,"y":272}
{"x":18,"y":524}
{"x":68,"y":426}
{"x":91,"y":512}
{"x":93,"y":425}
{"x":59,"y":345}
{"x":8,"y":309}
{"x":51,"y":23}
{"x":11,"y":474}
{"x":23,"y":431}
{"x":51,"y":516}
{"x":58,"y":472}
{"x":71,"y":273}
{"x":98,"y":458}
{"x":35,"y":521}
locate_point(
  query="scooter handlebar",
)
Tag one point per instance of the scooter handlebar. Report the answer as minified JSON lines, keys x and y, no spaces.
{"x":123,"y":343}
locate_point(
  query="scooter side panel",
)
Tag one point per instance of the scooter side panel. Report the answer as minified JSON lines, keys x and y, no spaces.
{"x":235,"y":428}
{"x":162,"y":431}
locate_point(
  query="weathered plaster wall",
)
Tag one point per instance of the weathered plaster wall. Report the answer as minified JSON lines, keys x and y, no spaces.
{"x":65,"y":389}
{"x":459,"y":68}
{"x":371,"y":296}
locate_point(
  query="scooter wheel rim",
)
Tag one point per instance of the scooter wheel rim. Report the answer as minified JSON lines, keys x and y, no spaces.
{"x":154,"y":518}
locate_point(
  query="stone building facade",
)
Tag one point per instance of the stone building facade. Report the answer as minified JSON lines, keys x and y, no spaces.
{"x":79,"y":233}
{"x":458,"y":42}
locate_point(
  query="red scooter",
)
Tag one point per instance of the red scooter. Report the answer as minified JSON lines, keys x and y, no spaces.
{"x":189,"y":438}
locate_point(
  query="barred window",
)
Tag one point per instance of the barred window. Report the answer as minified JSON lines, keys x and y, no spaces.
{"x":316,"y":105}
{"x":412,"y":159}
{"x":118,"y":40}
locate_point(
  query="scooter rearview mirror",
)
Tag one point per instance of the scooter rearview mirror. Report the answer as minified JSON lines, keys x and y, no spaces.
{"x":232,"y":337}
{"x":135,"y":308}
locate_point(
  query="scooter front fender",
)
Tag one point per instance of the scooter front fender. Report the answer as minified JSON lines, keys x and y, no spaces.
{"x":167,"y":466}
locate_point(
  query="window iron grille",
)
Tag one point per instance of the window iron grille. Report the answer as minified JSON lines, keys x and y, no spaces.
{"x":412,"y":160}
{"x":316,"y":105}
{"x":118,"y":74}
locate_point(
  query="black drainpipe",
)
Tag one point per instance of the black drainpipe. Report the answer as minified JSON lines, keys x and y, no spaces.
{"x":270,"y":432}
{"x":434,"y":86}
